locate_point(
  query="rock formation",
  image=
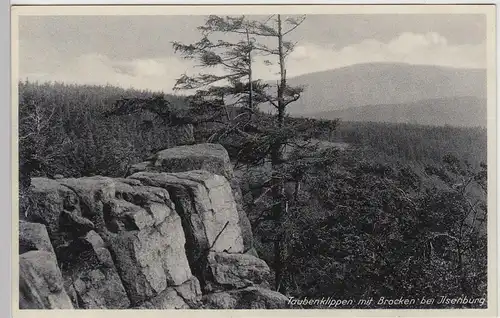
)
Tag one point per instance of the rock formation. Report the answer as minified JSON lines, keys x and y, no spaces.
{"x":209,"y":157}
{"x":172,"y":235}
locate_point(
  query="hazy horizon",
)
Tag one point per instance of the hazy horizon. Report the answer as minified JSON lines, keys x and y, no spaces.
{"x":136,"y":51}
{"x":182,"y":92}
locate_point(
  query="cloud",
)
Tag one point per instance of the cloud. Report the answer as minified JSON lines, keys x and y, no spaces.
{"x":151,"y":74}
{"x":407,"y":43}
{"x":141,"y":68}
{"x":413,"y":48}
{"x":160,"y":73}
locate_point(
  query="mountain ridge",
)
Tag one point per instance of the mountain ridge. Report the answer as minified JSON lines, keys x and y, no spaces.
{"x":382,"y":84}
{"x":462,"y":111}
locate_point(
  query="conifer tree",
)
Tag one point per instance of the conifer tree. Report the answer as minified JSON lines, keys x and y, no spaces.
{"x":227,"y":87}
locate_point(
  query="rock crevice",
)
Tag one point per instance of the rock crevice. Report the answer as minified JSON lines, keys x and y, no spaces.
{"x":170,"y":236}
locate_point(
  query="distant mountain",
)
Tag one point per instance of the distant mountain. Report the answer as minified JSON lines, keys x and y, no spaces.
{"x":453,"y":111}
{"x":384,"y":84}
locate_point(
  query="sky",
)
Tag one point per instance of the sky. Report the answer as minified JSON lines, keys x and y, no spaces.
{"x":136,"y":51}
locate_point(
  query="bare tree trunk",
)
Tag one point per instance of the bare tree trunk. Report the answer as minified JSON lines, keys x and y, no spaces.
{"x":280,"y":204}
{"x":282,"y":86}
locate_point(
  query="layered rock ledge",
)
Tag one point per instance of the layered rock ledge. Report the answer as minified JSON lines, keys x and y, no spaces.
{"x":172,"y":235}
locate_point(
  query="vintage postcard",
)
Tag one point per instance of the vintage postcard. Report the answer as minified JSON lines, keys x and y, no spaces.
{"x":305,"y":160}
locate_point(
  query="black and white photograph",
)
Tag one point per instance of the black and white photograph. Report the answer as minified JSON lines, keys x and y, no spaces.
{"x":224,"y":157}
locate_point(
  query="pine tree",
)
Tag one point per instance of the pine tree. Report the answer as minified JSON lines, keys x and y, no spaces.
{"x":233,"y":95}
{"x":257,"y":138}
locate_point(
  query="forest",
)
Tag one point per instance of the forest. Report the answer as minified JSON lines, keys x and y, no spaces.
{"x":338,"y":209}
{"x":380,"y":226}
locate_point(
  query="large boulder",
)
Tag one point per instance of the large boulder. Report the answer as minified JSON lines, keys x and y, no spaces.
{"x":246,"y":298}
{"x":206,"y":205}
{"x":50,"y":198}
{"x":41,"y":285}
{"x":145,"y":235}
{"x":233,"y":271}
{"x":136,"y":242}
{"x":34,"y":237}
{"x":209,"y":157}
{"x":136,"y":224}
{"x":185,"y":296}
{"x":93,"y":194}
{"x":151,"y":259}
{"x":167,"y":299}
{"x":190,"y":291}
{"x":91,"y":273}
